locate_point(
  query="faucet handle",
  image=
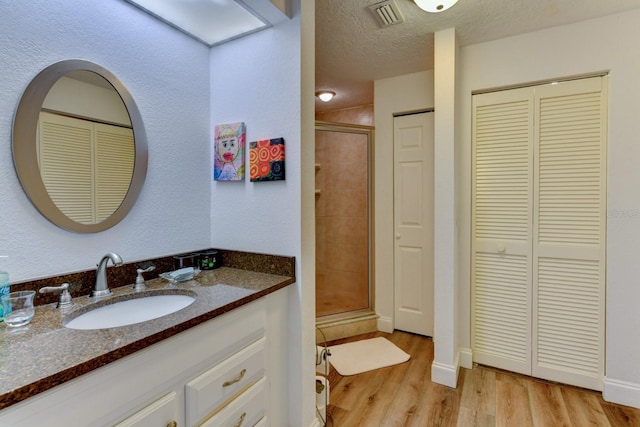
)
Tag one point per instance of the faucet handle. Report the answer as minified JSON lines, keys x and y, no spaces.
{"x":140,"y":284}
{"x":65,"y":297}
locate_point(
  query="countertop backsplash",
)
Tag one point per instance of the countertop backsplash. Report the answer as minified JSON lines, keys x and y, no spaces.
{"x":81,"y":283}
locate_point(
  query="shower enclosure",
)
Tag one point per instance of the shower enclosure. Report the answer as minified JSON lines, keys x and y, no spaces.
{"x":344,"y":225}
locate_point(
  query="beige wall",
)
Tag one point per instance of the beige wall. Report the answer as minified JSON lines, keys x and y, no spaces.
{"x":356,"y":116}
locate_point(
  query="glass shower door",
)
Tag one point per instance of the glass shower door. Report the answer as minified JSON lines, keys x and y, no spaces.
{"x":343,"y":219}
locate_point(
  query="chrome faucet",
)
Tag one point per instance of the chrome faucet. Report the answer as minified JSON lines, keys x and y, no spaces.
{"x":102,"y":288}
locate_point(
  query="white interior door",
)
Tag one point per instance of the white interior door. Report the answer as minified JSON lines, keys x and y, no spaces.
{"x":413,"y":218}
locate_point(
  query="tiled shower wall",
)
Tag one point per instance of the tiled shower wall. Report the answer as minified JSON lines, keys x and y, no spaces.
{"x":354,"y":116}
{"x":342,"y":238}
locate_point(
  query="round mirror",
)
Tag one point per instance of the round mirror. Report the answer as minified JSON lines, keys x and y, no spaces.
{"x":79,"y":146}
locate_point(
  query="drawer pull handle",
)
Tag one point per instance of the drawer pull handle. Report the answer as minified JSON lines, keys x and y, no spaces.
{"x":235,"y":380}
{"x":241,"y":420}
{"x":172,"y":424}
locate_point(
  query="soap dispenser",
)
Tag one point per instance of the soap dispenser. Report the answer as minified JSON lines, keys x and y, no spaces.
{"x":4,"y":283}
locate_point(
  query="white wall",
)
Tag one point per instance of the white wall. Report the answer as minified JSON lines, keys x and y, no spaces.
{"x":394,"y":95}
{"x":608,"y":43}
{"x":256,"y":80}
{"x":259,"y":80}
{"x":303,"y":372}
{"x":444,"y":369}
{"x":168,"y":75}
{"x":407,"y":93}
{"x":83,"y":99}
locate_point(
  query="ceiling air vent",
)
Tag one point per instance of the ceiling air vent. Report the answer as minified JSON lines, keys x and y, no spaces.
{"x":386,"y":13}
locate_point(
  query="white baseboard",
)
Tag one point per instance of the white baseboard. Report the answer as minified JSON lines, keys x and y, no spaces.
{"x":385,"y":324}
{"x":445,"y":374}
{"x":621,"y":392}
{"x":466,"y":358}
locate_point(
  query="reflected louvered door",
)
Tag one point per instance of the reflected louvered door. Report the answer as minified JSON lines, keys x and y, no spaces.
{"x":65,"y":155}
{"x":501,"y":229}
{"x":569,"y":237}
{"x":115,"y":154}
{"x":86,"y":166}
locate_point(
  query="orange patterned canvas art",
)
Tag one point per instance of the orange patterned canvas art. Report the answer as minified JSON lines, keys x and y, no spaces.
{"x":266,"y":160}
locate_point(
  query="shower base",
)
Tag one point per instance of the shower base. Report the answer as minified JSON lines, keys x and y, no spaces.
{"x":347,"y":325}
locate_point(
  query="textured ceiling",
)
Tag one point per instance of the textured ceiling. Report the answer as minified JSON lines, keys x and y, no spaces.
{"x":352,"y":50}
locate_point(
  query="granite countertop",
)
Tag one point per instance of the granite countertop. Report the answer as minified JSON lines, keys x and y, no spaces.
{"x":44,"y":354}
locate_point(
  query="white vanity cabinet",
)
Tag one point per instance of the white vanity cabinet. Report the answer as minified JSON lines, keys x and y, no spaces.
{"x":216,"y":388}
{"x":248,"y":409}
{"x":218,"y":373}
{"x":162,"y":412}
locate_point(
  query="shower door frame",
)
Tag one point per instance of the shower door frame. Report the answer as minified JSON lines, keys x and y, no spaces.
{"x":369,"y":132}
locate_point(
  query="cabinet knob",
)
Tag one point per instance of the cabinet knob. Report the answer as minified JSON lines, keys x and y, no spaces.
{"x":235,"y":380}
{"x":397,"y":236}
{"x":241,"y":420}
{"x":501,"y":249}
{"x":172,"y":424}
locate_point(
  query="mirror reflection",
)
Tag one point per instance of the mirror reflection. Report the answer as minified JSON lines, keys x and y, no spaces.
{"x":85,"y":147}
{"x":79,"y":146}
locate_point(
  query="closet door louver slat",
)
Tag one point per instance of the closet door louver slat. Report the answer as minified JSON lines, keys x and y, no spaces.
{"x":501,"y":309}
{"x":569,"y":238}
{"x":569,"y":174}
{"x":501,"y":229}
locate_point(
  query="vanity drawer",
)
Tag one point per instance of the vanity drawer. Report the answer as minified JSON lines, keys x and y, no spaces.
{"x":262,"y":422}
{"x":209,"y":391}
{"x":247,"y":410}
{"x":162,"y":412}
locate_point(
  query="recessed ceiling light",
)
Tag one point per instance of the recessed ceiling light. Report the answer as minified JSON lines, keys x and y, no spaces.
{"x":435,"y":6}
{"x":325,"y":95}
{"x":210,"y":21}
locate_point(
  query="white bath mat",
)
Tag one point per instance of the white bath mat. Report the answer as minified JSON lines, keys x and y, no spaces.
{"x":366,"y":355}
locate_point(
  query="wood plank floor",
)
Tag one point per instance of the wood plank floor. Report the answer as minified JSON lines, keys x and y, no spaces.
{"x":403,"y":395}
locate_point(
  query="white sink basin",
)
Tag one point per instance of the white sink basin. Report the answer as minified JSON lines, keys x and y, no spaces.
{"x":131,"y":311}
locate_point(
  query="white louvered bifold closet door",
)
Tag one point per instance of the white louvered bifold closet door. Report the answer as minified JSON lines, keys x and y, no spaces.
{"x":501,"y":229}
{"x":569,"y":242}
{"x":538,"y":230}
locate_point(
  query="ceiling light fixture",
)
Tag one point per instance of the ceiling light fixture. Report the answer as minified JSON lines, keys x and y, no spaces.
{"x":209,"y":21}
{"x":325,"y":95}
{"x":435,"y":6}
